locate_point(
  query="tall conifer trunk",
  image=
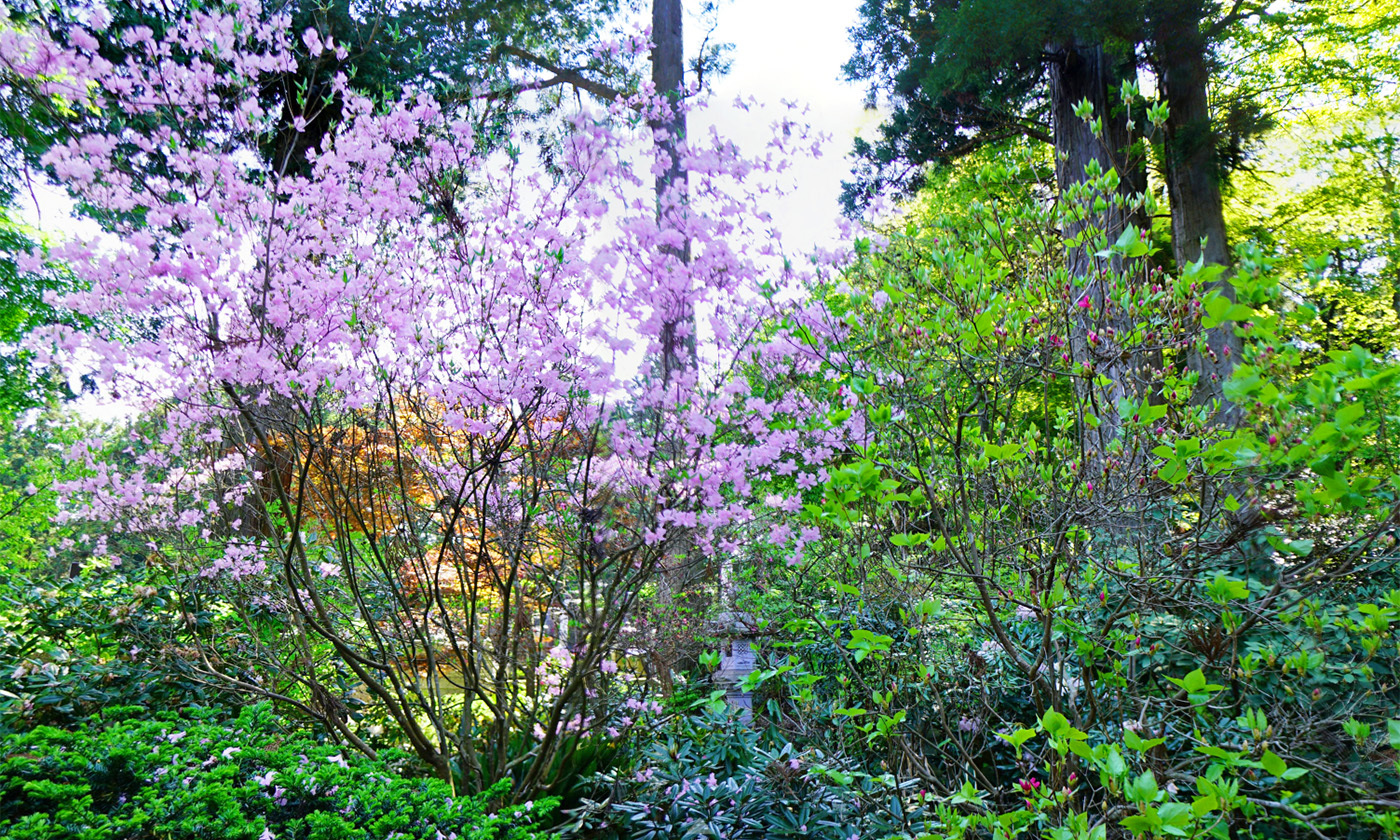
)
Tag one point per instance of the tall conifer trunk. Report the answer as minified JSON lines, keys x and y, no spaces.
{"x":678,"y":351}
{"x":668,"y":75}
{"x":1087,"y":72}
{"x":1193,"y":176}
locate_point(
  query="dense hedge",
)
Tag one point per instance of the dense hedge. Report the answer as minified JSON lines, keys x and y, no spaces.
{"x":244,"y":779}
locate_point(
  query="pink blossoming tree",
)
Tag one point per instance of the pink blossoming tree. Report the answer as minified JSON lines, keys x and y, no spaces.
{"x":399,"y":445}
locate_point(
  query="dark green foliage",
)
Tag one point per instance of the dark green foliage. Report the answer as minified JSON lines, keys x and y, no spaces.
{"x":963,"y":75}
{"x":467,"y":53}
{"x":1318,"y":673}
{"x":959,"y":76}
{"x":72,"y":645}
{"x":709,"y":775}
{"x":196,"y":776}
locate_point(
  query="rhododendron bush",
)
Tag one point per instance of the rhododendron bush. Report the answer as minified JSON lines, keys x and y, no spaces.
{"x":402,"y":452}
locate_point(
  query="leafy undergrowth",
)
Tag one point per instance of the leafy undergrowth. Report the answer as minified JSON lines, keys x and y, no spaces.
{"x":195,"y":776}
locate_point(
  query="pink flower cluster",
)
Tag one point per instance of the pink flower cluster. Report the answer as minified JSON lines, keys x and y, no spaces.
{"x":408,"y":261}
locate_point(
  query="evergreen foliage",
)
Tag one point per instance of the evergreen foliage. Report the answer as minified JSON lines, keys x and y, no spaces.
{"x":205,"y":774}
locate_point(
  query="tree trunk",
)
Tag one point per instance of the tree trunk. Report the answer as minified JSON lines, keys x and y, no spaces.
{"x":1088,"y":73}
{"x":678,"y":349}
{"x":1193,"y":176}
{"x":668,"y":75}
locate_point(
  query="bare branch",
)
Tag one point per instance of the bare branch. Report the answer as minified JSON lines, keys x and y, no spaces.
{"x":562,"y":76}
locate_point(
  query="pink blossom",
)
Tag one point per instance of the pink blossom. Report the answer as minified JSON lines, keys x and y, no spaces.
{"x":339,"y":285}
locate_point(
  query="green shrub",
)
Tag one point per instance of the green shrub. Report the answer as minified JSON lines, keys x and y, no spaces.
{"x":1049,"y":507}
{"x":72,"y":646}
{"x":709,"y":775}
{"x":245,"y":779}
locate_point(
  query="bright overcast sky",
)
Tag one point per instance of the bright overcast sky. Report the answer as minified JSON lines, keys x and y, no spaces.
{"x":793,"y":49}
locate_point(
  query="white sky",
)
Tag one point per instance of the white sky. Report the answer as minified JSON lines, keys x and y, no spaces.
{"x":793,"y":49}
